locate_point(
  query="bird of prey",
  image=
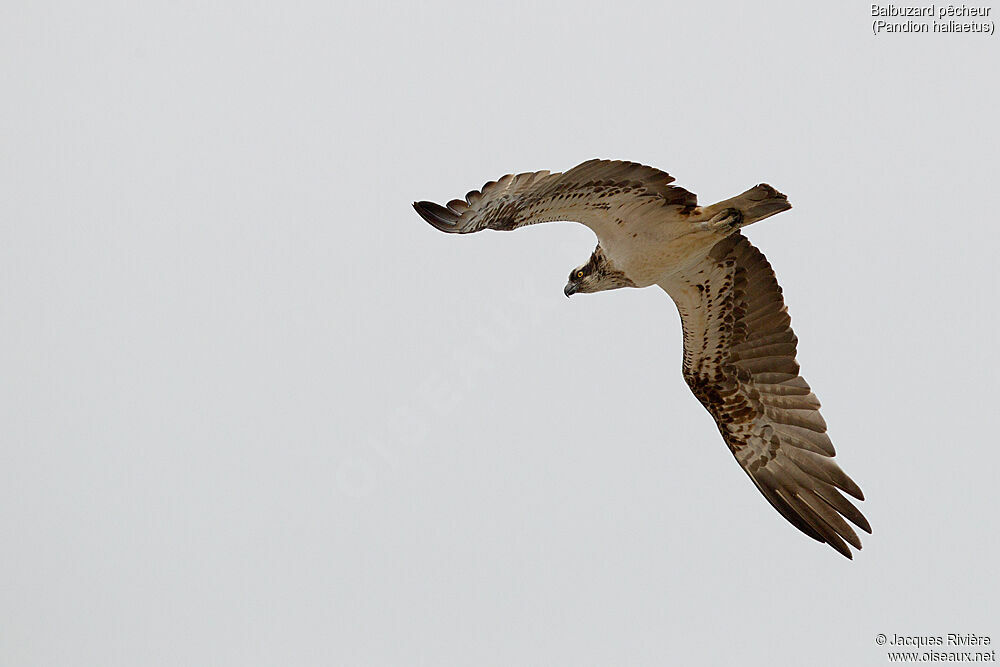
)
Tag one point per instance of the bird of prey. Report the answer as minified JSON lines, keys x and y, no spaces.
{"x":739,"y":348}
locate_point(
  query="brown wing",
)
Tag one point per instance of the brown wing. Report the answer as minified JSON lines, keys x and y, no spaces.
{"x":594,"y":193}
{"x":739,"y":360}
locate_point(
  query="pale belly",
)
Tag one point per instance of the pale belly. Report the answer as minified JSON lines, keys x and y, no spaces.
{"x":646,"y":259}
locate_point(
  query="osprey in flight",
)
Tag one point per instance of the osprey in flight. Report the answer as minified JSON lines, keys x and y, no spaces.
{"x":739,"y":349}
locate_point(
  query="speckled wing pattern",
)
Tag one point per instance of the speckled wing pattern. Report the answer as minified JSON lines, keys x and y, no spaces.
{"x":739,"y":360}
{"x":595,"y":193}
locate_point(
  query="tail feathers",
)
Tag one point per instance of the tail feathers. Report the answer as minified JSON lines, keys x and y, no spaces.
{"x":759,"y":202}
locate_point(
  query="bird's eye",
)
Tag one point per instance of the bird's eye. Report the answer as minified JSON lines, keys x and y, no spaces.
{"x":579,"y":274}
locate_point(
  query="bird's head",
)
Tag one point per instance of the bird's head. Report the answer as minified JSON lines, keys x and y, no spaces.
{"x":597,"y":275}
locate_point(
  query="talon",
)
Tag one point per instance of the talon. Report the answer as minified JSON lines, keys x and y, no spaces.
{"x":730,"y":217}
{"x":735,"y":217}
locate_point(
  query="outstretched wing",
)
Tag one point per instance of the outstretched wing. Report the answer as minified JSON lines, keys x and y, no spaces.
{"x":597,"y":193}
{"x":739,"y":360}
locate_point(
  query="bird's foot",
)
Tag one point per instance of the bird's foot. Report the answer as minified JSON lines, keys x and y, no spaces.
{"x":725,"y":220}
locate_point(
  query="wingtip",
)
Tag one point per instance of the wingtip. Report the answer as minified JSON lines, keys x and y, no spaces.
{"x":438,"y":216}
{"x":849,"y":486}
{"x":840,"y":546}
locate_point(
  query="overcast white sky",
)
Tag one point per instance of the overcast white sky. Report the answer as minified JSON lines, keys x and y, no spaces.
{"x":254,"y":411}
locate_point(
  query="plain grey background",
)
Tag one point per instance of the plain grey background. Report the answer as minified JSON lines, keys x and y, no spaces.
{"x":254,"y":411}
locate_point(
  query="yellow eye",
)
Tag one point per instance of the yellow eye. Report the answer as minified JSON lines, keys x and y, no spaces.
{"x":579,"y":274}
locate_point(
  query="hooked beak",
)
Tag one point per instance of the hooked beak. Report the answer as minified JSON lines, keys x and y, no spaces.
{"x":570,"y":289}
